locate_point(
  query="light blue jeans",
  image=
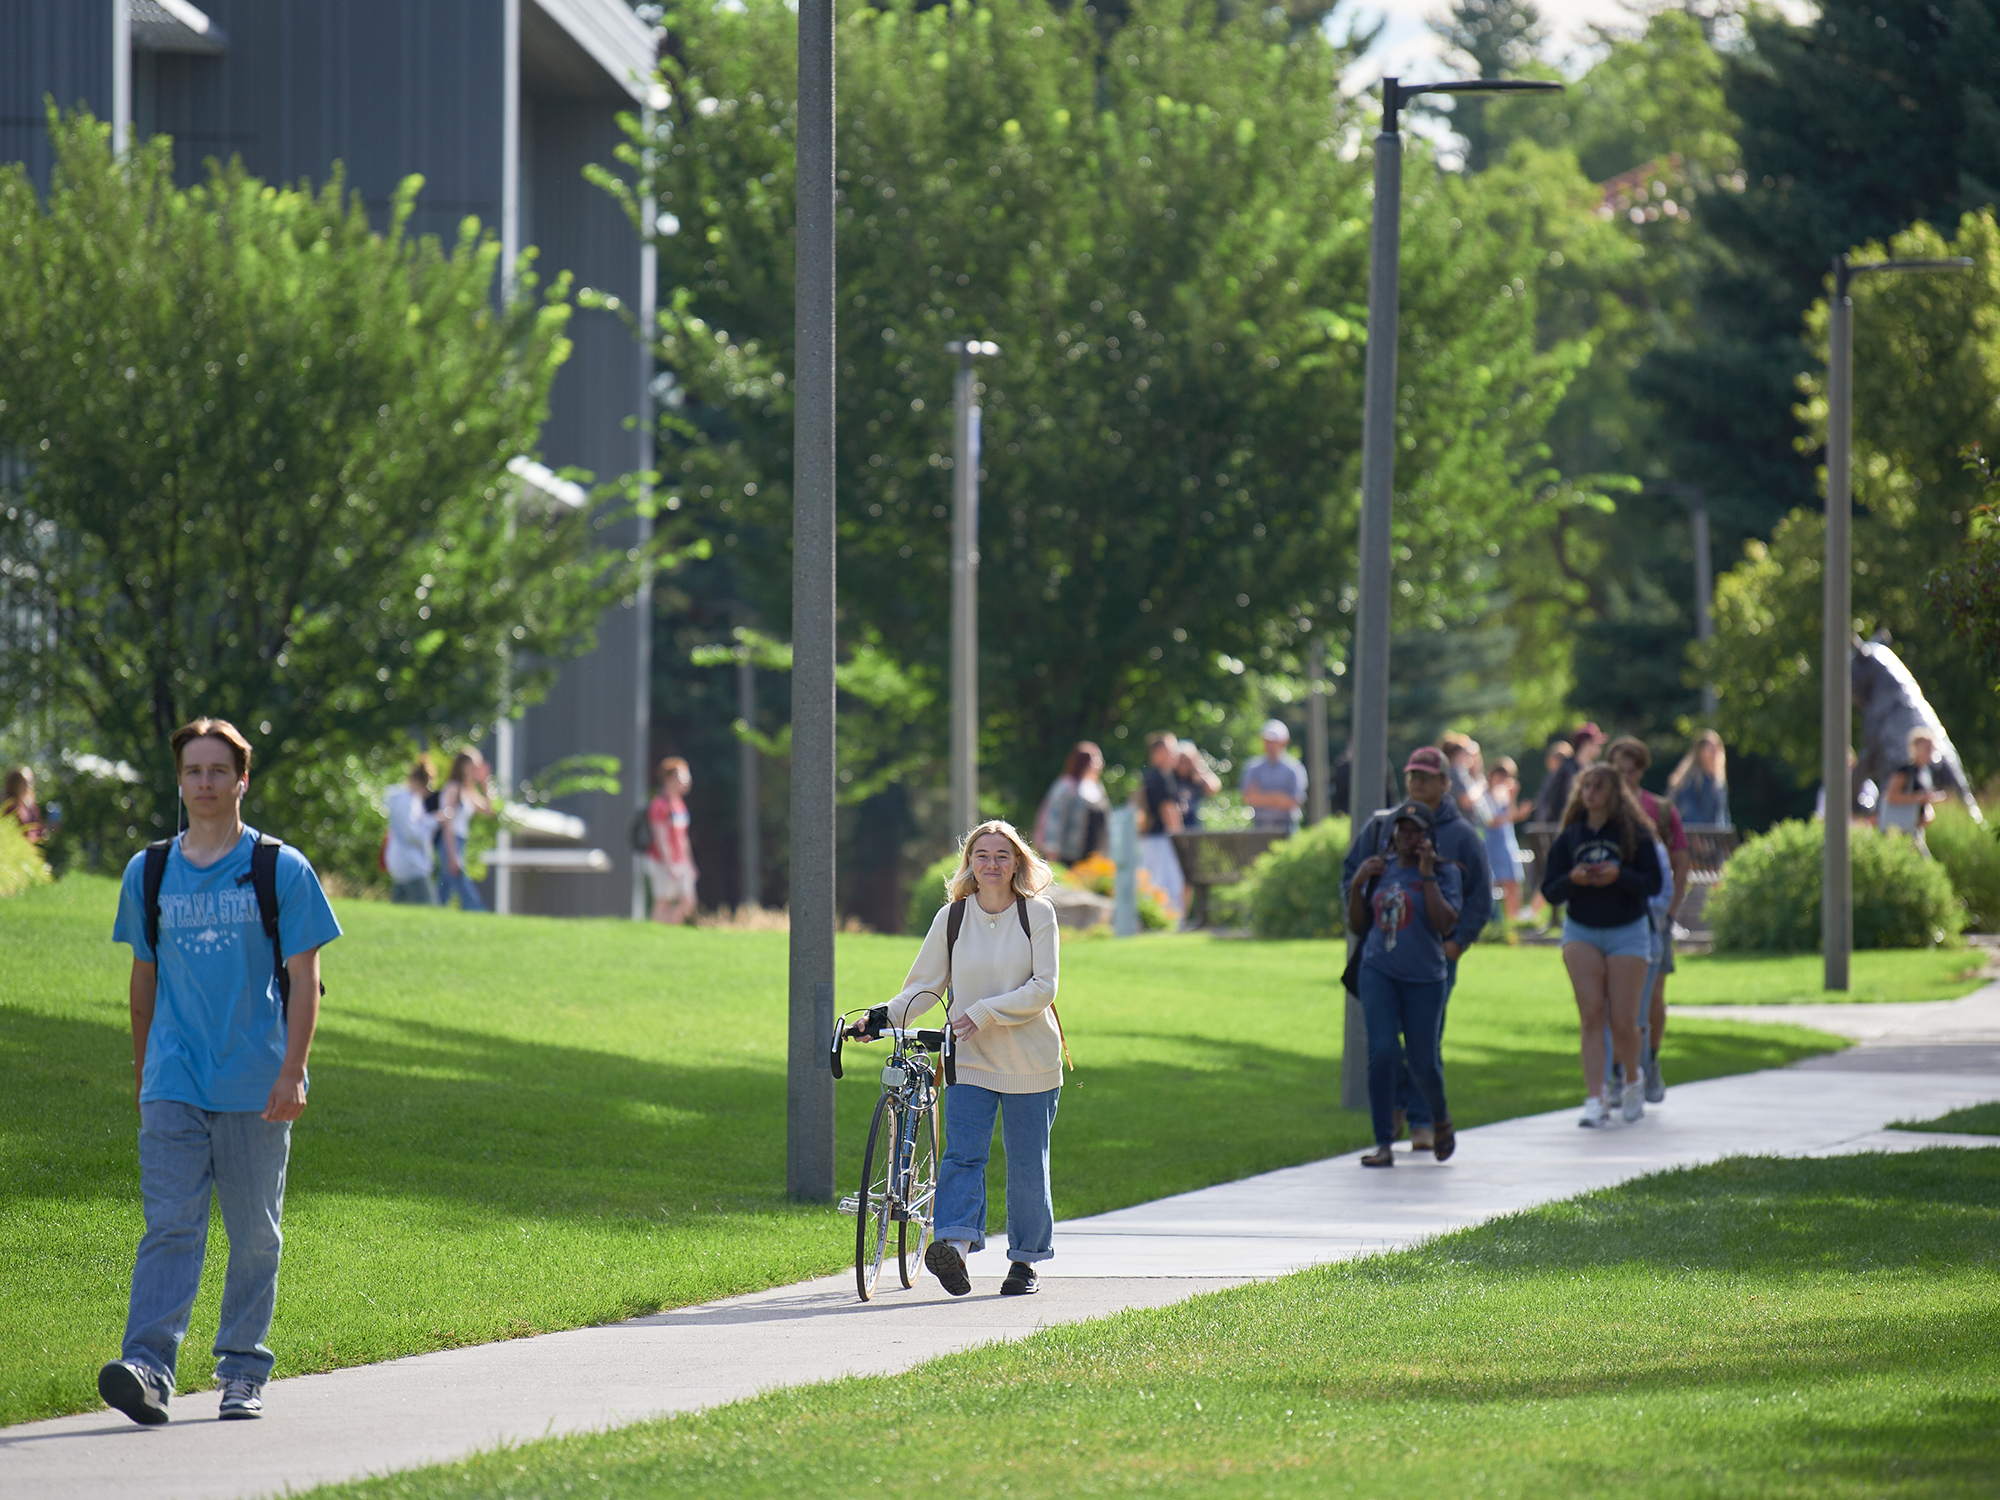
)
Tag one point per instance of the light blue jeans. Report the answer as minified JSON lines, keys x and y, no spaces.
{"x":1025,"y":1122}
{"x":186,"y":1153}
{"x":459,"y":884}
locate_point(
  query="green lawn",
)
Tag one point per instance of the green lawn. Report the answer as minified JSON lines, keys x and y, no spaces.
{"x":528,"y":1124}
{"x":1976,"y":1119}
{"x":1756,"y":1328}
{"x":1874,"y":974}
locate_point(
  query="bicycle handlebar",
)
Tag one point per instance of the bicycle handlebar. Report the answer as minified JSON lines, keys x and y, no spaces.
{"x":937,"y":1040}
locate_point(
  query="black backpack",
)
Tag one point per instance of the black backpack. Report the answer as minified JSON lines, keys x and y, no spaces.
{"x":263,"y":878}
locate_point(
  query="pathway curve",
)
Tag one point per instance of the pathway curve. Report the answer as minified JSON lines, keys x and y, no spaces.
{"x":1921,"y":1062}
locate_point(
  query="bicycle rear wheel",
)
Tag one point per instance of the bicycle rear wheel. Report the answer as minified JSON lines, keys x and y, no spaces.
{"x":871,"y":1220}
{"x":913,"y":1233}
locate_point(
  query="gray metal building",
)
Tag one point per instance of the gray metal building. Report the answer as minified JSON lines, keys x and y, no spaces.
{"x":500,"y":104}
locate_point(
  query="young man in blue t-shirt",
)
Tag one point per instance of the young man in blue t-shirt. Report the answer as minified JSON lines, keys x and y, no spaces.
{"x":219,"y":1065}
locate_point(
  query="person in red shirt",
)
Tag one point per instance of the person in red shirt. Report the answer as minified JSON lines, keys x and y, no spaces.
{"x":1631,"y":758}
{"x":670,"y":864}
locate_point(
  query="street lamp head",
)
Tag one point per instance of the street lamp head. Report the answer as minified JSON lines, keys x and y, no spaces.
{"x":1844,"y":270}
{"x":1396,"y":93}
{"x":968,"y":349}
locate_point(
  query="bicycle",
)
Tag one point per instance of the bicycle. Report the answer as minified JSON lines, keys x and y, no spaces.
{"x":899,"y":1168}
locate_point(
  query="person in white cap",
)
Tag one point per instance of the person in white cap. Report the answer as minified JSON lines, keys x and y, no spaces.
{"x":1275,"y":787}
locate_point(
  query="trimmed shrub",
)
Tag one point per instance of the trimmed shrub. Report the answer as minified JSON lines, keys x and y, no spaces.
{"x":1768,"y":901}
{"x":1295,"y":891}
{"x":21,"y":863}
{"x":1970,"y":854}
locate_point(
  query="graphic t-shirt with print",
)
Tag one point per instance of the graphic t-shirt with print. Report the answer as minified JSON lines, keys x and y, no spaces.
{"x":218,"y":1034}
{"x":1402,"y":943}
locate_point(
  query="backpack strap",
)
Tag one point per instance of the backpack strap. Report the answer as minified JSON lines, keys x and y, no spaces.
{"x":154,"y":872}
{"x":264,"y":881}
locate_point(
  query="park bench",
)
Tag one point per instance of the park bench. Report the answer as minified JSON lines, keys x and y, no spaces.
{"x":1215,"y":856}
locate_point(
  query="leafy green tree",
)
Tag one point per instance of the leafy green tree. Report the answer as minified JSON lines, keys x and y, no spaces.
{"x":261,"y":468}
{"x":1965,"y":589}
{"x":1164,"y":232}
{"x":1490,"y":39}
{"x":1603,"y":602}
{"x":1926,"y":379}
{"x":1872,"y":115}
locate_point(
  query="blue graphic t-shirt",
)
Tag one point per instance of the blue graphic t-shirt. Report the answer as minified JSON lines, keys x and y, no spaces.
{"x":1402,"y":943}
{"x":218,"y":1035}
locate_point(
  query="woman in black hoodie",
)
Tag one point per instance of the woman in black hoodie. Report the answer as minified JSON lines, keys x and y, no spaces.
{"x":1602,"y":869}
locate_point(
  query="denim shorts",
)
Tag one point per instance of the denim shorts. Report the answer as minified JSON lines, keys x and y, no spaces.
{"x":1633,"y":940}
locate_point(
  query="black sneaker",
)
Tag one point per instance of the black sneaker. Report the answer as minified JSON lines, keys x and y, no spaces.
{"x":1021,"y":1281}
{"x":130,"y":1387}
{"x":945,"y":1263}
{"x":242,"y":1400}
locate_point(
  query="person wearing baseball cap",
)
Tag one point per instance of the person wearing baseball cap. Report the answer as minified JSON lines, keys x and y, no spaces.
{"x":1275,"y":787}
{"x":1426,"y":778}
{"x":1405,"y":901}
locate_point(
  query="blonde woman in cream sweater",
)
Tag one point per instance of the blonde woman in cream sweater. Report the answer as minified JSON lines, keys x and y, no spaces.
{"x":1009,"y":1052}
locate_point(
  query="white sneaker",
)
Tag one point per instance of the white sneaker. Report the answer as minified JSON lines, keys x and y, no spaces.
{"x":1593,"y":1113}
{"x":1634,"y":1103}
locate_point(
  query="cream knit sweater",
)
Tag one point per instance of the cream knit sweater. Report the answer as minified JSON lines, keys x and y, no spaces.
{"x":1017,"y":1049}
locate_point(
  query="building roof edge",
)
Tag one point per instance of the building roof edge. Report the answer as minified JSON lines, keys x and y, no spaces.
{"x":617,"y":41}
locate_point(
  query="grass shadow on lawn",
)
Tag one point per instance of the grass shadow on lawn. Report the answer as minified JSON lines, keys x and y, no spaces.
{"x":1798,"y":1327}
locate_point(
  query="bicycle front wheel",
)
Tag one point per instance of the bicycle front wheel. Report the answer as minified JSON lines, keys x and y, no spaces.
{"x":913,"y":1233}
{"x":871,"y":1220}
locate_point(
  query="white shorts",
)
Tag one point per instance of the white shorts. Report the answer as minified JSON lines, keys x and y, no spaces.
{"x":670,"y":882}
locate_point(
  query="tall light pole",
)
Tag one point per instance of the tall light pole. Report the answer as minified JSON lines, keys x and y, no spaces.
{"x":749,"y":832}
{"x":965,"y":586}
{"x":1704,"y":570}
{"x":1317,"y":790}
{"x":1369,"y":744}
{"x":1836,"y":905}
{"x":808,"y":1080}
{"x":1704,"y":595}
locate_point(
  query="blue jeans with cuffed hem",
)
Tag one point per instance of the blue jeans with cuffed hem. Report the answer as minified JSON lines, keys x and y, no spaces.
{"x":185,"y":1154}
{"x":1408,"y":1099}
{"x":1025,"y":1123}
{"x":1404,"y":1020}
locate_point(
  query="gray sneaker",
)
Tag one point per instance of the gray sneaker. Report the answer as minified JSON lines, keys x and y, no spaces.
{"x":140,"y":1393}
{"x":1656,"y":1086}
{"x":1633,"y":1106}
{"x":242,"y":1399}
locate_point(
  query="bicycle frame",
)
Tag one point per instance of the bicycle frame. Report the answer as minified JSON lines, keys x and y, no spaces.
{"x":894,"y":1191}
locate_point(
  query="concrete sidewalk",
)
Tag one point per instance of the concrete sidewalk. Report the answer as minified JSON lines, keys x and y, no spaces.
{"x":435,"y":1407}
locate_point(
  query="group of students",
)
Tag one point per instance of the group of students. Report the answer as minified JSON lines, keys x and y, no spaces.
{"x":424,"y":848}
{"x":1179,"y":778}
{"x":1417,"y":892}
